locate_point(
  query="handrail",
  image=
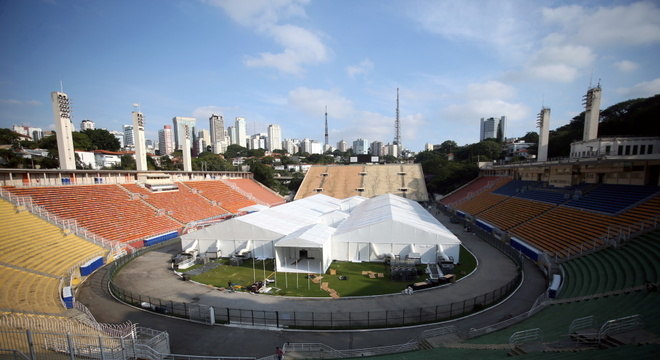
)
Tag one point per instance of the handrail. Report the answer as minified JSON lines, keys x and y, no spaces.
{"x":117,"y":248}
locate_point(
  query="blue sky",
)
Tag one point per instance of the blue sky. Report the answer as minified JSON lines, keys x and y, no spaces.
{"x":283,"y":61}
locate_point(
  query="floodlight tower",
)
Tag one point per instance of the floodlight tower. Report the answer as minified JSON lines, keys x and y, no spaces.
{"x":139,"y":139}
{"x":187,"y":160}
{"x":397,"y":126}
{"x":326,"y":125}
{"x":592,"y":113}
{"x":63,"y":129}
{"x":543,"y":122}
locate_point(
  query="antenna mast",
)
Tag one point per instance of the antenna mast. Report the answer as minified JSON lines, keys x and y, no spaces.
{"x":397,"y":124}
{"x":326,"y":125}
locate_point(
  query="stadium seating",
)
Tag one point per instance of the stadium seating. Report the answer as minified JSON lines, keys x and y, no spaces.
{"x":261,"y":193}
{"x":513,"y":212}
{"x":475,"y":186}
{"x":183,"y":205}
{"x":221,"y":193}
{"x":343,"y":181}
{"x":634,"y":264}
{"x":555,"y":320}
{"x":612,"y":198}
{"x":25,"y":291}
{"x":32,"y":243}
{"x":480,"y":203}
{"x":105,"y":210}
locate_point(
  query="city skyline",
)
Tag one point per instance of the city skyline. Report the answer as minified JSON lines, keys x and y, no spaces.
{"x":283,"y":62}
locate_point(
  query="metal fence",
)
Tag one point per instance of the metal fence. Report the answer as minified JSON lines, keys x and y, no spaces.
{"x":32,"y":345}
{"x":318,"y":319}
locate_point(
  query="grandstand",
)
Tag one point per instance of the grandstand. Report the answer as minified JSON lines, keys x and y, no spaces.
{"x":557,"y":221}
{"x":343,"y":181}
{"x":106,"y":210}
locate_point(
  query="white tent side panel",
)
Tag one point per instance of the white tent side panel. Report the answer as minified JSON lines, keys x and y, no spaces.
{"x":233,"y":235}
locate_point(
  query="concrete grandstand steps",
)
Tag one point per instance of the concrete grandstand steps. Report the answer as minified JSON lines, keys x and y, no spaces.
{"x":25,"y":291}
{"x":105,"y":210}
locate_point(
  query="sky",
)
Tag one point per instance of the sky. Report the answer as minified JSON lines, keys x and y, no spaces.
{"x":283,"y":61}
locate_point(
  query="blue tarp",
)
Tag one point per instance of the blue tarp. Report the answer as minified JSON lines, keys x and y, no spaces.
{"x":529,"y":251}
{"x":91,"y":265}
{"x":460,"y":213}
{"x":160,"y":238}
{"x":484,"y":225}
{"x":67,"y":296}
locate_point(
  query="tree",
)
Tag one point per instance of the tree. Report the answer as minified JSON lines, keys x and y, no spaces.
{"x":256,"y":152}
{"x":390,"y":159}
{"x":102,"y":139}
{"x":234,"y":151}
{"x":128,"y":162}
{"x":448,"y":146}
{"x":263,"y":174}
{"x":81,"y":141}
{"x":210,"y":162}
{"x":531,"y":137}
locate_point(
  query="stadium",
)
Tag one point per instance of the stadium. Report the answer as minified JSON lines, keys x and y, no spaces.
{"x":563,"y":270}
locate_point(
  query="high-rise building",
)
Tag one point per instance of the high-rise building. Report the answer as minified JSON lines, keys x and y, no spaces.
{"x":119,"y":135}
{"x":428,"y":147}
{"x":290,"y":146}
{"x":63,"y":129}
{"x":274,"y":137}
{"x":217,"y":128}
{"x":205,"y":137}
{"x":86,"y":124}
{"x":376,"y":148}
{"x":165,"y":140}
{"x":257,"y":141}
{"x":231,"y":133}
{"x":342,"y":146}
{"x":129,"y":141}
{"x":240,"y":127}
{"x":180,"y":122}
{"x":361,"y":146}
{"x":35,"y":134}
{"x":493,"y":128}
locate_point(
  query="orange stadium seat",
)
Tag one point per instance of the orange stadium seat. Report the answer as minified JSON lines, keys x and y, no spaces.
{"x":105,"y":210}
{"x":221,"y":193}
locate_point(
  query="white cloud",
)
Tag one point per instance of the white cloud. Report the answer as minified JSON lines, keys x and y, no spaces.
{"x":631,"y":24}
{"x":261,"y":12}
{"x":643,"y":89}
{"x":626,"y":65}
{"x":506,"y":26}
{"x":560,"y":63}
{"x":487,"y":99}
{"x":363,"y":68}
{"x":300,"y":46}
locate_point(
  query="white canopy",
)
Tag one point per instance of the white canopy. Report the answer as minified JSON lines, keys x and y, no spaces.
{"x":319,"y":229}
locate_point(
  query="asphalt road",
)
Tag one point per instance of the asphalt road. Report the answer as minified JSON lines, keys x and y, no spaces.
{"x":149,"y":275}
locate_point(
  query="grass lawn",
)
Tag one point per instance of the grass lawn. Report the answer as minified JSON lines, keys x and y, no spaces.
{"x":292,"y":284}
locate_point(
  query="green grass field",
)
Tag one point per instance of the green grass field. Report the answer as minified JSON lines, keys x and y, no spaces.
{"x":291,"y":284}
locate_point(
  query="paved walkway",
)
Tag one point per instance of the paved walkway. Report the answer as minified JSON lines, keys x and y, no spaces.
{"x":149,"y":275}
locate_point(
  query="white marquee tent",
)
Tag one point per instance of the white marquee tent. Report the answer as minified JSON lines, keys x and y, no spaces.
{"x":308,"y":234}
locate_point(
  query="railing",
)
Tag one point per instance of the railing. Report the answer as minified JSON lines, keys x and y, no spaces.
{"x":117,"y":248}
{"x":33,"y":345}
{"x":587,"y":322}
{"x":620,"y":325}
{"x":318,"y":350}
{"x":616,"y":235}
{"x":526,"y":336}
